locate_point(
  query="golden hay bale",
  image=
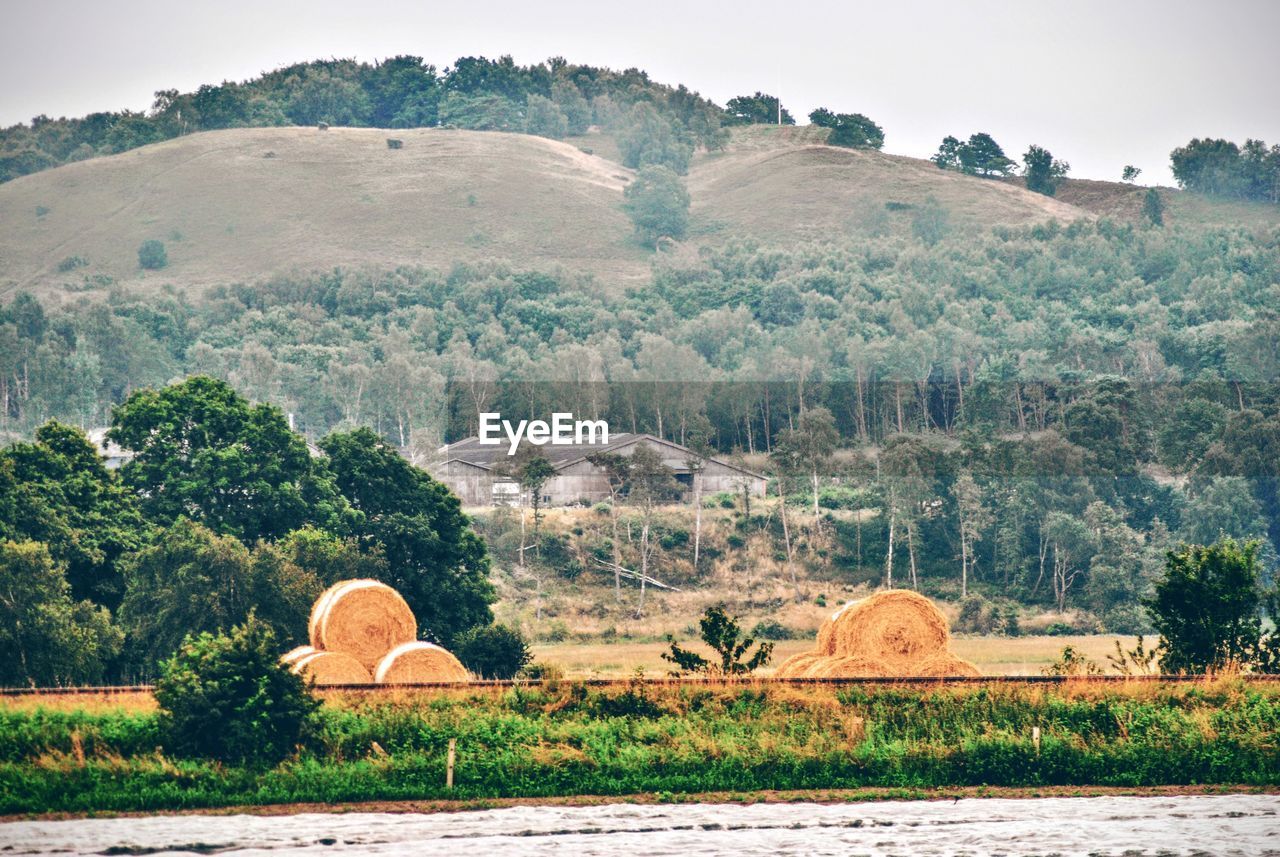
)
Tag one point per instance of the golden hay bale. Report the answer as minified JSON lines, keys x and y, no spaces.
{"x":845,"y":666}
{"x":292,"y":656}
{"x":366,"y":619}
{"x":317,"y":612}
{"x":893,"y":629}
{"x":418,"y":662}
{"x":943,"y":665}
{"x":794,"y":666}
{"x":826,"y":631}
{"x":332,"y":668}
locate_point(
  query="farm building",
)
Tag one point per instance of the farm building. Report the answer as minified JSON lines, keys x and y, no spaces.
{"x":474,"y":471}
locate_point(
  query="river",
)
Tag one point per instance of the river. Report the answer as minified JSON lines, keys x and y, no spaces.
{"x":1218,"y":824}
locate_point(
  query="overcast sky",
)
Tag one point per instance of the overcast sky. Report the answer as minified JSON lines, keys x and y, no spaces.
{"x":1100,"y":84}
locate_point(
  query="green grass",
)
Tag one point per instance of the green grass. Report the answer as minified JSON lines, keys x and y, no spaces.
{"x":572,"y":740}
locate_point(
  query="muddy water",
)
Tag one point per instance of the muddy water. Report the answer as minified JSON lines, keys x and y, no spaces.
{"x":1227,"y":825}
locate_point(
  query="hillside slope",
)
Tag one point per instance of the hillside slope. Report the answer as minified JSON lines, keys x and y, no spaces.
{"x":241,"y":204}
{"x":245,"y":204}
{"x":785,"y":183}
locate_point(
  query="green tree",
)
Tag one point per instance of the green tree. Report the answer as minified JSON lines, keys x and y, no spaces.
{"x":1153,"y":207}
{"x":1130,"y":174}
{"x":322,"y":96}
{"x":1188,"y":431}
{"x":481,"y":112}
{"x":57,"y":491}
{"x":228,"y":697}
{"x":849,"y":129}
{"x":434,"y":558}
{"x":1043,"y":172}
{"x":808,"y":448}
{"x":648,"y":138}
{"x":1205,"y":608}
{"x":657,"y":204}
{"x":543,"y":118}
{"x":191,"y":580}
{"x":331,"y":558}
{"x":980,"y":155}
{"x":47,"y":638}
{"x":493,"y":651}
{"x":576,"y":110}
{"x":722,"y":633}
{"x":205,"y":452}
{"x":152,"y":255}
{"x":757,"y":109}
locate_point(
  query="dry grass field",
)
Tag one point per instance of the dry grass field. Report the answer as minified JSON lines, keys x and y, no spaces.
{"x":992,"y":655}
{"x":784,"y":184}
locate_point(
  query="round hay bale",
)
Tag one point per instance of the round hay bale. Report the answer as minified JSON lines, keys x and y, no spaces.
{"x":943,"y":665}
{"x":417,"y":663}
{"x":826,"y":631}
{"x":894,"y":629}
{"x":292,"y":656}
{"x":332,"y":668}
{"x":366,"y":619}
{"x":794,"y":666}
{"x":317,"y":611}
{"x":845,"y":666}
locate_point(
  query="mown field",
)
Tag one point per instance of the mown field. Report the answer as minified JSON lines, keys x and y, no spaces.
{"x":570,"y":739}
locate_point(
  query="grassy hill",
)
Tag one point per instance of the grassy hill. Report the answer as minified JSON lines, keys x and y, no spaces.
{"x":243,"y":204}
{"x":784,"y":183}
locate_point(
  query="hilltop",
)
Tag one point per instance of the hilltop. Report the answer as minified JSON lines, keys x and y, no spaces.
{"x":245,"y":204}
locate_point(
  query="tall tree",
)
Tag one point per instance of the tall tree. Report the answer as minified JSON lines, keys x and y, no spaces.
{"x":47,"y":637}
{"x":757,"y":109}
{"x":1042,"y":171}
{"x":204,"y":452}
{"x":657,"y":204}
{"x":433,"y":556}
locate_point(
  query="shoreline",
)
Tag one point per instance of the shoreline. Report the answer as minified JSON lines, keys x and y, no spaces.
{"x":818,"y":796}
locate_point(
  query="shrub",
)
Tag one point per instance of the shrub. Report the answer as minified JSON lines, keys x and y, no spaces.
{"x":772,"y":629}
{"x":720,"y":631}
{"x":152,"y":256}
{"x":227,"y":697}
{"x":70,"y":263}
{"x":493,"y":651}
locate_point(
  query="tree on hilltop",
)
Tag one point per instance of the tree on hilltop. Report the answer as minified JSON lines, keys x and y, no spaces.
{"x":852,"y":130}
{"x":1043,"y":172}
{"x":757,"y":109}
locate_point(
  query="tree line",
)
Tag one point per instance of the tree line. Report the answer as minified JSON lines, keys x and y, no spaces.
{"x":223,"y":514}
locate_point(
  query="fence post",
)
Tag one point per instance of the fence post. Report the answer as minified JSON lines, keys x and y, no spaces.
{"x":1035,"y":739}
{"x":448,"y":776}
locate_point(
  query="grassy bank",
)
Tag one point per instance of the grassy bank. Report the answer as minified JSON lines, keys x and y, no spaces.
{"x":572,"y":740}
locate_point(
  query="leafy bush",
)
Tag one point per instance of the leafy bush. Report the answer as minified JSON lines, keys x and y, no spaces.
{"x":227,"y":697}
{"x":70,"y":263}
{"x":772,"y":629}
{"x":721,"y":632}
{"x":493,"y":651}
{"x":152,"y":256}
